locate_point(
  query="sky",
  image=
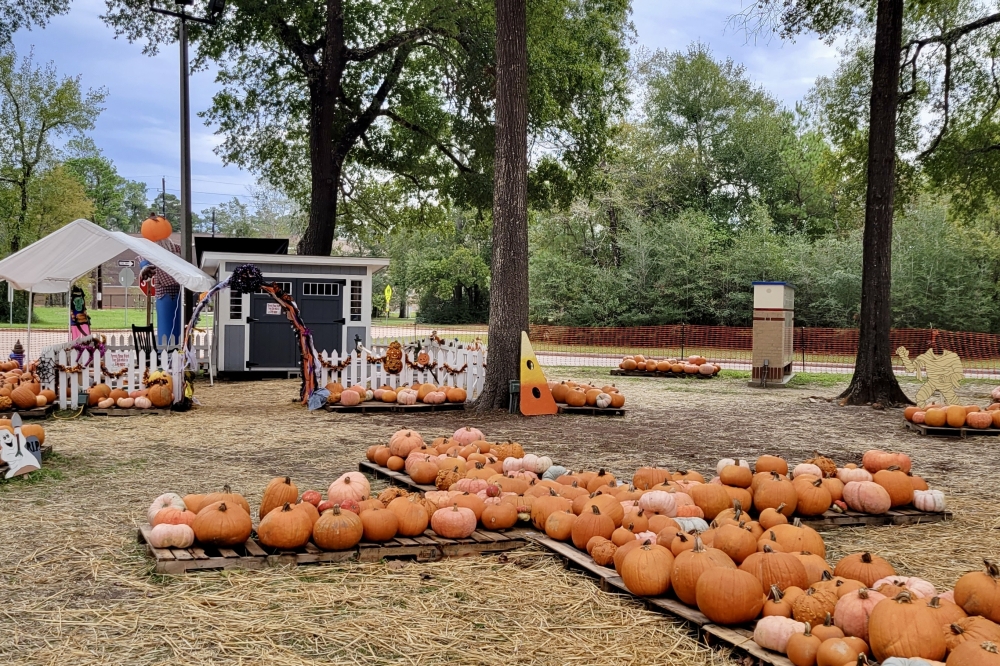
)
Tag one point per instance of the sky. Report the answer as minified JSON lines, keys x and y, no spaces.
{"x":139,"y":128}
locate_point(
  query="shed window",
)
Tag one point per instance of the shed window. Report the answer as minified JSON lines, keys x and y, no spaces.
{"x":355,"y":300}
{"x":235,"y":305}
{"x":320,"y":289}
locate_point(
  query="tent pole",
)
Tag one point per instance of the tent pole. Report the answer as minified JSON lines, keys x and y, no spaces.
{"x":27,"y":350}
{"x":69,"y":314}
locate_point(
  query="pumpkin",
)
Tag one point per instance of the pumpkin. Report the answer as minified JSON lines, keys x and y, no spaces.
{"x":768,"y":463}
{"x":172,"y":500}
{"x":161,"y":395}
{"x":971,"y":653}
{"x":736,"y":542}
{"x":499,"y":516}
{"x":170,"y":535}
{"x":690,"y":564}
{"x":841,"y":651}
{"x":710,"y":498}
{"x":349,"y":486}
{"x":974,"y":628}
{"x":600,"y":479}
{"x":412,"y":518}
{"x":797,"y":537}
{"x":801,"y":648}
{"x":285,"y":528}
{"x":979,"y":419}
{"x":591,"y":522}
{"x":602,"y":401}
{"x":978,"y":593}
{"x":406,"y":397}
{"x":901,"y":628}
{"x":337,"y":530}
{"x":929,"y":500}
{"x":279,"y":491}
{"x":310,"y":510}
{"x":23,"y":398}
{"x":156,"y":228}
{"x":875,"y":460}
{"x":378,"y":524}
{"x":772,"y":516}
{"x":691,"y":525}
{"x":814,"y":605}
{"x":603,"y":552}
{"x":896,"y":483}
{"x":194,"y":502}
{"x":774,"y":492}
{"x":645,"y":571}
{"x":226,"y":496}
{"x":350,"y":398}
{"x":106,"y":403}
{"x":171,"y":515}
{"x":773,"y":632}
{"x":41,"y":401}
{"x":919,"y":417}
{"x":803,"y":469}
{"x":848,"y":474}
{"x":864,"y":567}
{"x":935,"y":417}
{"x":813,"y":498}
{"x":118,"y":394}
{"x":817,"y":571}
{"x":729,"y":596}
{"x":124,"y":403}
{"x":222,"y":525}
{"x":853,"y":610}
{"x":736,"y":475}
{"x":774,"y":568}
{"x":455,"y":394}
{"x":918,"y":587}
{"x":828,"y":630}
{"x":454,"y":522}
{"x":867,"y":497}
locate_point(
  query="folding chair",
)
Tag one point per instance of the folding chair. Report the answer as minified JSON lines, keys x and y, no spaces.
{"x":144,"y":339}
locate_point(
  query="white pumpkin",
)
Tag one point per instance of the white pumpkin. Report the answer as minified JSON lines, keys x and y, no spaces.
{"x":807,"y":468}
{"x":726,"y":462}
{"x":369,"y":394}
{"x":554,"y":472}
{"x":162,"y":502}
{"x":660,"y":501}
{"x":512,"y":464}
{"x":142,"y":402}
{"x":691,"y":524}
{"x":773,"y":632}
{"x":995,"y":394}
{"x":918,"y":587}
{"x":543,"y":464}
{"x":929,"y":500}
{"x":171,"y":536}
{"x":603,"y":400}
{"x":529,"y":462}
{"x":848,"y":474}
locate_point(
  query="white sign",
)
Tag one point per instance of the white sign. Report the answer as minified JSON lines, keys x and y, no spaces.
{"x":273,"y":309}
{"x":126,"y":277}
{"x":126,"y":262}
{"x":117,"y":359}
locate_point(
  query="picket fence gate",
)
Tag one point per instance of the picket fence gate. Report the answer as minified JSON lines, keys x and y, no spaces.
{"x":359,"y":370}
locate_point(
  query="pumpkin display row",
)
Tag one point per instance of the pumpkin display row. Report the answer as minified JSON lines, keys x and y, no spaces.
{"x":404,"y":395}
{"x":955,"y":416}
{"x":22,"y":390}
{"x":694,"y":365}
{"x":159,"y":395}
{"x":579,"y":394}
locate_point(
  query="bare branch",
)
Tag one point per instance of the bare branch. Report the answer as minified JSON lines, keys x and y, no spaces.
{"x":413,"y":127}
{"x":306,"y":53}
{"x":391,"y":44}
{"x":368,"y":116}
{"x":947,"y":98}
{"x":953,"y":35}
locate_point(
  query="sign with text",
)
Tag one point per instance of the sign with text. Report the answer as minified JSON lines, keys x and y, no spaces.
{"x":126,"y":262}
{"x":273,"y":309}
{"x":117,"y":359}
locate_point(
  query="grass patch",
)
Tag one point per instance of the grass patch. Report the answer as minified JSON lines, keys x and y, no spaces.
{"x":823,"y":379}
{"x":57,"y":318}
{"x":32,"y":478}
{"x":734,"y":374}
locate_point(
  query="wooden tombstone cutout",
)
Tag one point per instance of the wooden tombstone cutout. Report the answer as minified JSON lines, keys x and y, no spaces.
{"x":943,"y":373}
{"x":22,"y":454}
{"x":536,"y":398}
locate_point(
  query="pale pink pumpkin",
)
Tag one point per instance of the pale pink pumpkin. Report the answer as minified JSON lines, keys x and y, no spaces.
{"x":162,"y":502}
{"x":406,"y":397}
{"x":867,"y":497}
{"x":660,"y":501}
{"x":455,"y":522}
{"x":435,"y":398}
{"x":918,"y":587}
{"x":467,"y":435}
{"x":853,"y":609}
{"x":350,"y":398}
{"x":171,"y":536}
{"x":848,"y":474}
{"x":349,"y":486}
{"x":470,"y":485}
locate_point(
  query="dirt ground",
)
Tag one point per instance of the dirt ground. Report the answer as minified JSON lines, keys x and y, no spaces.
{"x":75,"y":588}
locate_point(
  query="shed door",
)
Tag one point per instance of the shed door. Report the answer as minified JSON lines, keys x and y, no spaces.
{"x":321,"y":303}
{"x":272,"y":340}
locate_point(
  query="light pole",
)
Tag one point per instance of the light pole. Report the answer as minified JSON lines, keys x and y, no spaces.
{"x":215,"y":8}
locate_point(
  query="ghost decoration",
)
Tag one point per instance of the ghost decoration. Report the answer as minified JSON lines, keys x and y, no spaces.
{"x":22,"y":454}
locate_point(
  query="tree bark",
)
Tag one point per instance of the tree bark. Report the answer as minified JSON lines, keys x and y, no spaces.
{"x":874,"y":381}
{"x":509,"y":265}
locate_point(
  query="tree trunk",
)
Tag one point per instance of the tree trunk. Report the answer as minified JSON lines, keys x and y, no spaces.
{"x":402,"y":304}
{"x":509,"y":266}
{"x":874,"y":381}
{"x":325,"y":173}
{"x":616,"y":251}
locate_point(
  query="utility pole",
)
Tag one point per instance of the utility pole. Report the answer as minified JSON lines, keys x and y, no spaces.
{"x":163,"y":196}
{"x":213,"y":222}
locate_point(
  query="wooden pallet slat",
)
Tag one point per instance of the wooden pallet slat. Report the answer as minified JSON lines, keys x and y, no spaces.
{"x":372,"y":407}
{"x":592,"y":411}
{"x":618,"y":372}
{"x":948,"y":431}
{"x":117,"y":411}
{"x":35,"y":413}
{"x":901,"y":516}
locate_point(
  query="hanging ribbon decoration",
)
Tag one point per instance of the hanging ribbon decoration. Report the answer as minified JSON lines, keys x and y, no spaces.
{"x":247,"y":279}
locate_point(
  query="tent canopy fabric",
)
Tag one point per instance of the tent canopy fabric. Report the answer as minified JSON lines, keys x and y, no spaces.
{"x":52,"y":264}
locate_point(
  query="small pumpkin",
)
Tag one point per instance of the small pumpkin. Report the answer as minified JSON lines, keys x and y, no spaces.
{"x":278,"y":492}
{"x":168,"y":535}
{"x":864,"y":567}
{"x":774,"y":632}
{"x":978,"y":593}
{"x":801,"y":648}
{"x":337,"y":530}
{"x":285,"y":528}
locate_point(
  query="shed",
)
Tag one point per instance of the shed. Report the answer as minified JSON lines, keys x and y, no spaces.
{"x":251,"y":333}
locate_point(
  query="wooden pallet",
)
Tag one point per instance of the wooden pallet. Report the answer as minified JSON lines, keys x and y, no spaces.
{"x":948,"y":431}
{"x":117,"y":411}
{"x":251,"y":555}
{"x":737,"y":638}
{"x":396,"y":478}
{"x":46,"y":450}
{"x":618,"y":372}
{"x":902,"y":516}
{"x":372,"y":407}
{"x":36,"y":413}
{"x":592,"y":411}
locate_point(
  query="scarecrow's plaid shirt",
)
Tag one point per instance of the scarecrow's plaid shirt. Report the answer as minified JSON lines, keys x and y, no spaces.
{"x":165,"y":284}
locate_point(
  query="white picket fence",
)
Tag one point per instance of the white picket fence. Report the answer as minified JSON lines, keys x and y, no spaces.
{"x":360,"y":371}
{"x":68,"y":385}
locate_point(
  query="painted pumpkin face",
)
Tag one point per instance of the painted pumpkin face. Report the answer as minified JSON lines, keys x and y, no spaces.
{"x":423,"y":358}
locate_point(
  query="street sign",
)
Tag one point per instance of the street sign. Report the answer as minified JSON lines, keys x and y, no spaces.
{"x":126,"y":276}
{"x":388,"y":296}
{"x":126,"y":262}
{"x":147,"y":286}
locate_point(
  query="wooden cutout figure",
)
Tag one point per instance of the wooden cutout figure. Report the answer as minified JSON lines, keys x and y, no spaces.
{"x":943,"y":372}
{"x":536,"y":398}
{"x":22,"y":454}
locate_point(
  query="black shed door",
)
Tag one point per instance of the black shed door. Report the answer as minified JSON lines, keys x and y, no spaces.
{"x":272,"y":340}
{"x":321,"y":303}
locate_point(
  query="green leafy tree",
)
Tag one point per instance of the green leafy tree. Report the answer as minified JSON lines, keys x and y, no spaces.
{"x":403,"y":87}
{"x":18,"y":14}
{"x":118,"y":203}
{"x":37,"y":108}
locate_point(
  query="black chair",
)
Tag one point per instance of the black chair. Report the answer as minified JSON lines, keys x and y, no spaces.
{"x":144,"y":339}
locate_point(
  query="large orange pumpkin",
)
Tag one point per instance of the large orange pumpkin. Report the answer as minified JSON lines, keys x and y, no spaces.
{"x":156,"y":228}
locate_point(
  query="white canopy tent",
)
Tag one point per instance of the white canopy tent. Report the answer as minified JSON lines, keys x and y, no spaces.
{"x":51,"y":265}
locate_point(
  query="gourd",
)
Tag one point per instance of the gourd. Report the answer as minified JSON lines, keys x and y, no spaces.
{"x":166,"y":535}
{"x":773,"y":633}
{"x":285,"y":528}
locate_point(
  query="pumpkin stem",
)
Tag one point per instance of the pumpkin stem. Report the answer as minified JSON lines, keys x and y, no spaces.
{"x":866,"y":558}
{"x":992,"y":569}
{"x":287,"y":507}
{"x":935,"y":602}
{"x":779,"y":595}
{"x":222,"y":506}
{"x":780,"y":508}
{"x":904,"y":597}
{"x":699,"y":546}
{"x":288,"y":480}
{"x":863,"y":592}
{"x":597,"y":511}
{"x":957,"y":629}
{"x":892,"y":468}
{"x":828,"y":622}
{"x":818,"y":483}
{"x":767,"y":548}
{"x":226,"y":489}
{"x":775,"y":476}
{"x":795,"y":523}
{"x":336,"y":509}
{"x":808,"y":631}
